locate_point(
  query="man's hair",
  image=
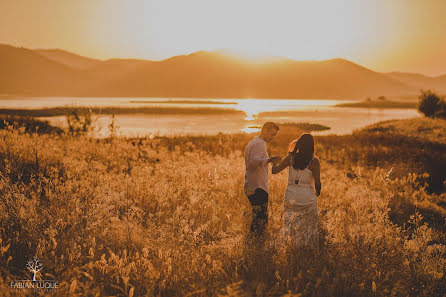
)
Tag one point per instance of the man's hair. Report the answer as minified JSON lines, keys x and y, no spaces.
{"x":270,"y":125}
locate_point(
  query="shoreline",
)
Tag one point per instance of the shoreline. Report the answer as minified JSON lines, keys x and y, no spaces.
{"x":385,"y":104}
{"x":390,"y":98}
{"x":61,"y":111}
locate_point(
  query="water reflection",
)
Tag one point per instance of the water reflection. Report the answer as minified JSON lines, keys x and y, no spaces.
{"x":256,"y":112}
{"x":250,"y":130}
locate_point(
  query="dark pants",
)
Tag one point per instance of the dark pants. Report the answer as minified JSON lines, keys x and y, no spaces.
{"x":259,"y":202}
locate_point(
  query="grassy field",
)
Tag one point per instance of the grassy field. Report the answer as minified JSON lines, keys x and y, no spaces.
{"x":168,"y":217}
{"x":423,"y":129}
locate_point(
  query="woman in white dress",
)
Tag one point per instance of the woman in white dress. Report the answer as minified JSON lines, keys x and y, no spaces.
{"x":300,"y":201}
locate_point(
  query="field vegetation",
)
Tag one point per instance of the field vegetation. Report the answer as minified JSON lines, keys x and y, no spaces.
{"x":28,"y":124}
{"x":168,"y":217}
{"x":432,"y":105}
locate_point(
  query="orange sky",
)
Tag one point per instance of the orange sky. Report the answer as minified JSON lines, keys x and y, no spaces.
{"x":384,"y":35}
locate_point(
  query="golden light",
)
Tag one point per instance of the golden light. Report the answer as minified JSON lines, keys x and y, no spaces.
{"x":379,"y":34}
{"x":252,"y":107}
{"x":302,"y":30}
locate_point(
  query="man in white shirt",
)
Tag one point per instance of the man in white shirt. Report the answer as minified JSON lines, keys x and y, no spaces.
{"x":256,"y":176}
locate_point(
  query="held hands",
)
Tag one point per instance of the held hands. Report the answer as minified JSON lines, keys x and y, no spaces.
{"x":274,"y":159}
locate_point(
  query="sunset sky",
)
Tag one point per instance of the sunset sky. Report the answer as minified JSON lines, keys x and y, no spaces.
{"x":384,"y":35}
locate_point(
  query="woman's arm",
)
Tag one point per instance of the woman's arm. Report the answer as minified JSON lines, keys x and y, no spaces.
{"x":316,"y":169}
{"x":284,"y":164}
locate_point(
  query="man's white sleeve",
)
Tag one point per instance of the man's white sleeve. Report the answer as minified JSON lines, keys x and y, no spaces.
{"x":257,"y":157}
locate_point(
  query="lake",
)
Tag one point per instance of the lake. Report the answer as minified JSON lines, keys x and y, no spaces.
{"x":251,"y":112}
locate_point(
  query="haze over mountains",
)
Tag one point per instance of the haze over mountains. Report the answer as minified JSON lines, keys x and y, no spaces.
{"x":26,"y":72}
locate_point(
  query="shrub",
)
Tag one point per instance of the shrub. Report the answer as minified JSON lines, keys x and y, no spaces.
{"x":79,"y":121}
{"x":29,"y":124}
{"x":431,"y":104}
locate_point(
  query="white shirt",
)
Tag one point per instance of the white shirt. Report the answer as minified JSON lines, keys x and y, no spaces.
{"x":256,"y":162}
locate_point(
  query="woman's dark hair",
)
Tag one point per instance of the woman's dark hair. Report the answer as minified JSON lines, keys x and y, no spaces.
{"x":303,"y":151}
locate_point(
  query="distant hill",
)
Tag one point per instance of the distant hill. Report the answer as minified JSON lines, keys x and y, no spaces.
{"x":201,"y":74}
{"x":68,"y":59}
{"x":110,"y":72}
{"x":25,"y":72}
{"x":421,"y":81}
{"x":208,"y":74}
{"x":441,"y":83}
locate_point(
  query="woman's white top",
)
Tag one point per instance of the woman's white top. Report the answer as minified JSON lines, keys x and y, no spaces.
{"x":300,"y":189}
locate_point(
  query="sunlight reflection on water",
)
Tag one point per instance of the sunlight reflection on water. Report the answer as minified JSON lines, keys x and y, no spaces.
{"x":255,"y":113}
{"x":252,"y":107}
{"x":250,"y":130}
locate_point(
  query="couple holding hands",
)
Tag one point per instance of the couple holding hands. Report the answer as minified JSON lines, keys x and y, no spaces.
{"x":300,"y":226}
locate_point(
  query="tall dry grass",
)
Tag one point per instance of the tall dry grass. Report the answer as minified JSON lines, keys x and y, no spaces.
{"x":168,"y":217}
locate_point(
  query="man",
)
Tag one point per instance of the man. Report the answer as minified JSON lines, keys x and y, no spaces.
{"x":256,"y":176}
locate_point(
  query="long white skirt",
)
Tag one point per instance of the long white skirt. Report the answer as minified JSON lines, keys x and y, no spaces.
{"x":300,"y":226}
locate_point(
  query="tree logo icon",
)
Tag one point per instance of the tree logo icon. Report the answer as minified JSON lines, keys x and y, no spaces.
{"x":34,"y":266}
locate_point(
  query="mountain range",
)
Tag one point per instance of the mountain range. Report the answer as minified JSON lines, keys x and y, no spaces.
{"x":216,"y":74}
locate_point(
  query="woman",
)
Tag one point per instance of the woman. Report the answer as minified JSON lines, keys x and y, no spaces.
{"x":300,"y":200}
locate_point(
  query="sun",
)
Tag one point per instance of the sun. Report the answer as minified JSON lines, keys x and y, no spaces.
{"x":300,"y":30}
